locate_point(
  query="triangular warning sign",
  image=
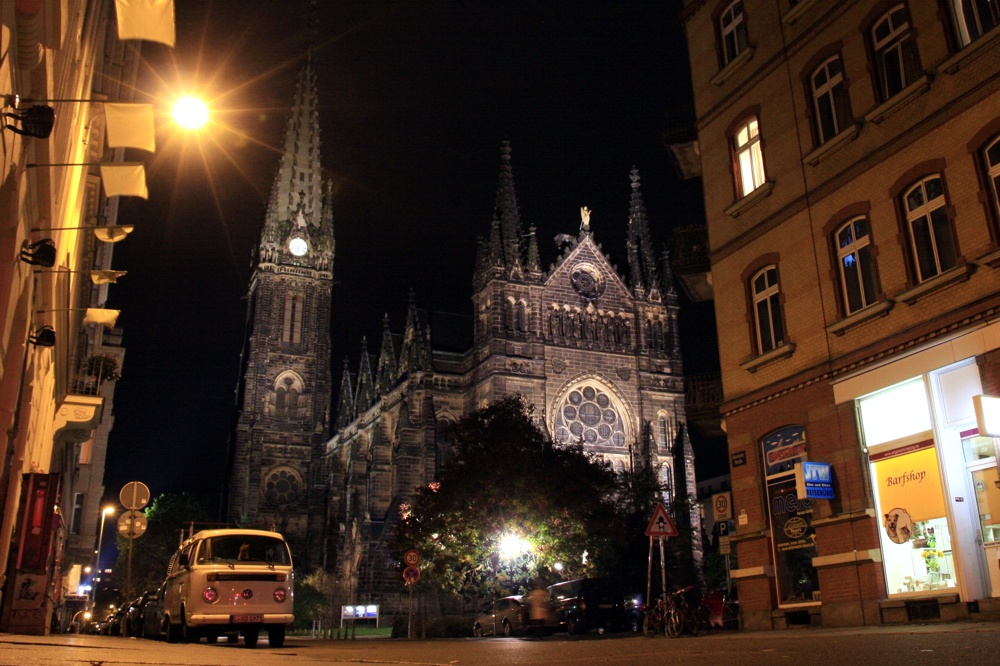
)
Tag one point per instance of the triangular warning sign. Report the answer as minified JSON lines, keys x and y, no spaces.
{"x":660,"y":524}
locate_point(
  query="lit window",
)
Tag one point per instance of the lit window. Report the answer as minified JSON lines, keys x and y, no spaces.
{"x":855,"y":265}
{"x":991,"y":157}
{"x":974,"y":18}
{"x":931,"y":237}
{"x":895,"y":52}
{"x":733,"y":31}
{"x":830,"y":101}
{"x":749,"y":158}
{"x":767,"y":309}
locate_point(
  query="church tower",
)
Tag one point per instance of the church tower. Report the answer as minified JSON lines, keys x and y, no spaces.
{"x":285,"y":388}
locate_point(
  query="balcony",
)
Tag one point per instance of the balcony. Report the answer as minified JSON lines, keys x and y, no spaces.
{"x":689,"y":259}
{"x":703,"y":397}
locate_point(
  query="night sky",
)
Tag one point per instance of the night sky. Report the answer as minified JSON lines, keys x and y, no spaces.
{"x":416,"y":99}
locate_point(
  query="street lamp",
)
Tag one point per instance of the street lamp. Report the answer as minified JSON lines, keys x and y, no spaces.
{"x":105,"y":512}
{"x":190,"y":112}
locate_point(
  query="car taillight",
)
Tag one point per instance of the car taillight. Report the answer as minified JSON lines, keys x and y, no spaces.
{"x":280,"y":594}
{"x":210,"y":595}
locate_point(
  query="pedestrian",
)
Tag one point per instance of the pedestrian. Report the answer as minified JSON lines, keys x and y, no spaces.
{"x":538,"y":608}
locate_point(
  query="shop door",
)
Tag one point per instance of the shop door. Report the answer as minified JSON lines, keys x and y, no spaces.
{"x":982,"y":465}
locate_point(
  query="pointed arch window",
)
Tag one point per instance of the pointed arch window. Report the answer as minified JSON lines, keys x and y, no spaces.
{"x":288,"y":389}
{"x":291,"y":330}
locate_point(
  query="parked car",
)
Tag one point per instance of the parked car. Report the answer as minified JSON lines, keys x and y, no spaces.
{"x":589,"y":603}
{"x":152,"y":615}
{"x":131,"y":620}
{"x":634,"y":608}
{"x":504,"y":617}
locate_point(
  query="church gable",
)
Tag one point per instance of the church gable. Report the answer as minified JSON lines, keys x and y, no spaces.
{"x":584,"y":276}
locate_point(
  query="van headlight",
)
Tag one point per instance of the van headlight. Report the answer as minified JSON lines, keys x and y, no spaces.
{"x":280,"y":594}
{"x":210,"y":595}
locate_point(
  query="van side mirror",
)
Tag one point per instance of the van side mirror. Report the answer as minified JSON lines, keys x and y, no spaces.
{"x":182,"y":559}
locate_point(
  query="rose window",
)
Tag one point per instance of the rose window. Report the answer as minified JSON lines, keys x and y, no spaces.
{"x":283,"y":485}
{"x":590,"y":415}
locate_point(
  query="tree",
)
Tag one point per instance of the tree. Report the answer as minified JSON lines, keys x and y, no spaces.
{"x":507,"y":479}
{"x":167,"y":518}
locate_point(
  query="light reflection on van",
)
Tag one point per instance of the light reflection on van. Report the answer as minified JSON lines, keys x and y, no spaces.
{"x":229,"y":582}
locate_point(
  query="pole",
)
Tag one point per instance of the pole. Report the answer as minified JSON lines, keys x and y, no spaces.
{"x":663,"y":565}
{"x":649,"y":573}
{"x":728,"y":582}
{"x":409,"y":624}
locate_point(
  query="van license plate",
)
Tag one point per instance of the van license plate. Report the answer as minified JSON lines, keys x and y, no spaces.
{"x":243,"y":619}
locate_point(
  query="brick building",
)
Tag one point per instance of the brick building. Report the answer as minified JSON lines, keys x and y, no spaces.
{"x":850,"y":155}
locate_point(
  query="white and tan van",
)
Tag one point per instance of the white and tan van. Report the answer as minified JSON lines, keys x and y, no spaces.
{"x":229,"y":582}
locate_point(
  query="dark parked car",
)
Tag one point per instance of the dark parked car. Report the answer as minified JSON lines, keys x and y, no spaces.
{"x":132,"y":619}
{"x":504,"y":617}
{"x":152,"y":615}
{"x":589,"y":603}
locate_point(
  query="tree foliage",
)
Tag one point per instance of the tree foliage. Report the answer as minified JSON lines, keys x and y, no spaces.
{"x":167,"y":517}
{"x":507,"y":478}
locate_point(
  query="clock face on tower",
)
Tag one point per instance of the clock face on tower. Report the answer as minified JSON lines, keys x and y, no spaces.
{"x":298,"y":246}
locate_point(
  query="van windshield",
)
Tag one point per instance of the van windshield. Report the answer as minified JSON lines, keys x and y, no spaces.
{"x":237,"y":548}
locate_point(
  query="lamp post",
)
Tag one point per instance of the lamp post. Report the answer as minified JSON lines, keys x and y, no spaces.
{"x":105,"y":512}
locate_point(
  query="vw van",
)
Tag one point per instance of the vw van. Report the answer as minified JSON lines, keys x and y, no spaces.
{"x":229,"y":582}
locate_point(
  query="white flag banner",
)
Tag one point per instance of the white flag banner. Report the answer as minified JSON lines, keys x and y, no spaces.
{"x":127,"y":179}
{"x":101,"y":317}
{"x":113,"y":233}
{"x":130,"y":126}
{"x":106,"y":277}
{"x":152,"y":20}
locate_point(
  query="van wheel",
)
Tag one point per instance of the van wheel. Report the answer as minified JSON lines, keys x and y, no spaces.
{"x":477,"y":631}
{"x":173,"y":631}
{"x":189,"y":633}
{"x":572,"y":626}
{"x":250,"y":637}
{"x":276,"y":636}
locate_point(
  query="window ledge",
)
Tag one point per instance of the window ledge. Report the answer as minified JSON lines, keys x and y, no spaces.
{"x":957,"y":274}
{"x":877,"y":310}
{"x":836,"y":143}
{"x":991,"y":259}
{"x":751,"y":199}
{"x":952,"y":64}
{"x":796,"y":12}
{"x":727,"y":72}
{"x":775,"y":354}
{"x":894,"y":103}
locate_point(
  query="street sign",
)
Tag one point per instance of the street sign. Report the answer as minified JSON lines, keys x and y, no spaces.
{"x":411,"y":575}
{"x":660,"y":524}
{"x":132,"y":524}
{"x":134,"y":495}
{"x":724,"y":546}
{"x":722,"y":507}
{"x":412,"y":558}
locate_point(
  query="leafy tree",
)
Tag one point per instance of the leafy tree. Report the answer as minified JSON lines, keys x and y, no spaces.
{"x":168,"y":516}
{"x":508,"y":479}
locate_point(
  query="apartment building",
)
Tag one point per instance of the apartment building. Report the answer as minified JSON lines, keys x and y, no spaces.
{"x":850,"y":156}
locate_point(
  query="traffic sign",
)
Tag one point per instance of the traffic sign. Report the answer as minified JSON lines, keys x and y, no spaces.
{"x":724,"y":546}
{"x":412,"y":558}
{"x":134,"y":495}
{"x":722,"y":507}
{"x":132,"y":524}
{"x":411,"y":575}
{"x":660,"y":524}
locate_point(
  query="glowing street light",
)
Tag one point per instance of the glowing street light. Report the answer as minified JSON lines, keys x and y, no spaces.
{"x":512,"y":545}
{"x":190,"y":112}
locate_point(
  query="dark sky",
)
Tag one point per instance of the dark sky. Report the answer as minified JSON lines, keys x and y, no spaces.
{"x":416,"y":99}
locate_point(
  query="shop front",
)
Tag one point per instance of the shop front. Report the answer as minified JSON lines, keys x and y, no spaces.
{"x":933,"y":477}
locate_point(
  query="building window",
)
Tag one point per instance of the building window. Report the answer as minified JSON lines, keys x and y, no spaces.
{"x":749,"y":157}
{"x":974,"y":18}
{"x":591,"y":416}
{"x":733,"y":32}
{"x":991,"y":159}
{"x":831,"y":104}
{"x":77,"y":525}
{"x":931,"y":237}
{"x":768,"y":326}
{"x":291,"y":330}
{"x":856,"y":266}
{"x":895,"y":52}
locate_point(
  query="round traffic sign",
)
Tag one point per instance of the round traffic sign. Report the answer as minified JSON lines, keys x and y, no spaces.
{"x":412,"y":558}
{"x":132,"y":524}
{"x":721,"y":504}
{"x":411,"y":575}
{"x":134,"y":495}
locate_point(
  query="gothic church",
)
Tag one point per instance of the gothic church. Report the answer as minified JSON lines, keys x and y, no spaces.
{"x":596,"y":354}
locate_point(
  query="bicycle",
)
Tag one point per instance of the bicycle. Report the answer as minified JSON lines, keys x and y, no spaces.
{"x":654,"y":619}
{"x":686,"y":612}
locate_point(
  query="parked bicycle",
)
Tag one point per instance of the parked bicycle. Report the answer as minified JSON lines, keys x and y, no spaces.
{"x":685,"y":612}
{"x":654,"y":619}
{"x":723,"y":609}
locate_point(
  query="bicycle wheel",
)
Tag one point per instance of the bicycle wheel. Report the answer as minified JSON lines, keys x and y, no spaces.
{"x":675,"y":622}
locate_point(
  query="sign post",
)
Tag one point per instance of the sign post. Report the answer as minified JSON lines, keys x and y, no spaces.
{"x":134,"y":495}
{"x":662,"y":527}
{"x":411,"y":574}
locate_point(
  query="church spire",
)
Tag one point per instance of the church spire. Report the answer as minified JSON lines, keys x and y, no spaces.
{"x":639,"y":242}
{"x":507,"y":214}
{"x":365,"y":394}
{"x":385,"y":374}
{"x":345,"y":405}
